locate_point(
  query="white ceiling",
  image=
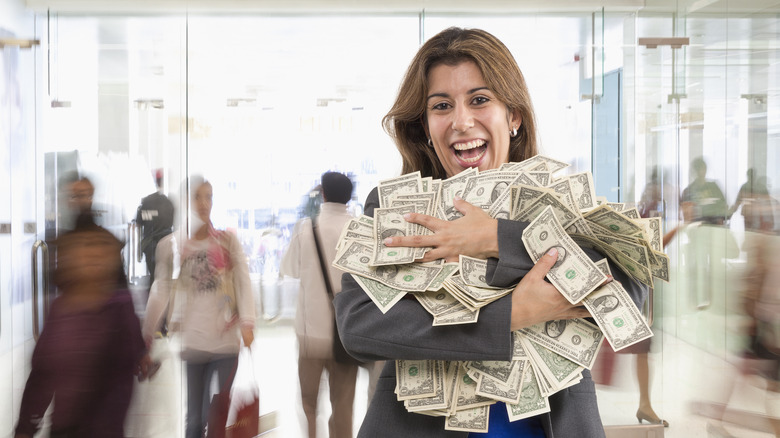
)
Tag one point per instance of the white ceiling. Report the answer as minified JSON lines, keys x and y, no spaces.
{"x":337,"y":6}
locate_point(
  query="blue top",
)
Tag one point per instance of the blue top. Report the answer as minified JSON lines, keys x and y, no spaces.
{"x":499,"y":425}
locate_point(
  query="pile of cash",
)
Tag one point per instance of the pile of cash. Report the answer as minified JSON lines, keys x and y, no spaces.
{"x":562,"y":212}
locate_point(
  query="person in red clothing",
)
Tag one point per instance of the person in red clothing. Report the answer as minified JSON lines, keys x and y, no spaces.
{"x":91,"y":345}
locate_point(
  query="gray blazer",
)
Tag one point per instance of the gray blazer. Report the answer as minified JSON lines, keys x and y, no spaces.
{"x":405,"y":332}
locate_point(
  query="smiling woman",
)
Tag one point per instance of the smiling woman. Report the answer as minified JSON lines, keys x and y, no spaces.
{"x":463,"y":104}
{"x":471,"y":82}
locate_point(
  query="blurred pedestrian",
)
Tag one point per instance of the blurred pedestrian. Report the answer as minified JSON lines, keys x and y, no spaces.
{"x":204,"y":281}
{"x":155,"y":219}
{"x":91,"y":344}
{"x":314,"y":319}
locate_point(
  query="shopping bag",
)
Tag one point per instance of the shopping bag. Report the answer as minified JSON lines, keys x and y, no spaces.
{"x":239,"y":406}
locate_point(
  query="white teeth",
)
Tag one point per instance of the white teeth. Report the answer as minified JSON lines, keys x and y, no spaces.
{"x":473,"y":159}
{"x":469,"y":145}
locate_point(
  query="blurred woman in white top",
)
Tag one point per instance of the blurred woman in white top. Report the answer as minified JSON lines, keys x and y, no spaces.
{"x":193,"y":277}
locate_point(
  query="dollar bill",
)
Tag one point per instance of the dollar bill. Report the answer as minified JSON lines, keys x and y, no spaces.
{"x":385,"y":297}
{"x":662,"y":269}
{"x":531,"y":402}
{"x":469,"y":420}
{"x":498,"y":370}
{"x":549,"y":164}
{"x":447,"y":271}
{"x":408,"y":183}
{"x":583,"y":190}
{"x":484,"y":189}
{"x":415,"y":379}
{"x":476,"y":295}
{"x":575,"y":339}
{"x":355,"y":256}
{"x":508,"y":392}
{"x":390,"y":222}
{"x":632,"y":249}
{"x":456,"y":316}
{"x":555,"y":369}
{"x":437,"y":302}
{"x":631,"y":213}
{"x":562,"y":188}
{"x":451,"y":187}
{"x":465,"y":396}
{"x":652,"y":229}
{"x":634,"y":269}
{"x":562,"y":212}
{"x":574,"y":274}
{"x":524,"y":196}
{"x":438,"y":400}
{"x":580,"y":226}
{"x":615,"y":222}
{"x":617,"y":316}
{"x":473,"y":271}
{"x":502,"y":207}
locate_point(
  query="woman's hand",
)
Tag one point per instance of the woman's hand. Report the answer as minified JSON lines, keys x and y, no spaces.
{"x":474,"y":235}
{"x":248,"y":335}
{"x":535,"y":301}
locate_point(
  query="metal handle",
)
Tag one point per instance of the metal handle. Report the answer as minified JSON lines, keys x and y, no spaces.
{"x":137,"y":236}
{"x":39,"y":244}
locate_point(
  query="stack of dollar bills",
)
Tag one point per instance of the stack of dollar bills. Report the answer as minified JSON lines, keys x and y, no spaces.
{"x":562,"y":212}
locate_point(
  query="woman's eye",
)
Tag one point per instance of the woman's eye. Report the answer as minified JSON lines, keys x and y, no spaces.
{"x":441,"y":106}
{"x":479,"y":100}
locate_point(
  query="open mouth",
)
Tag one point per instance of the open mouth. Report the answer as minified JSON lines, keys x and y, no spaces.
{"x":470,"y":152}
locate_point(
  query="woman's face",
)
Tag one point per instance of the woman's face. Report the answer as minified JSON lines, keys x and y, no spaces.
{"x":468,"y":124}
{"x":203,"y":202}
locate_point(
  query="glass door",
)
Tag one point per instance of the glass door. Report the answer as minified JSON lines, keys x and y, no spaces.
{"x":17,"y":218}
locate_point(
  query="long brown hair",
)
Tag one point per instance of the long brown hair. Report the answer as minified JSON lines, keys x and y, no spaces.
{"x":405,"y":120}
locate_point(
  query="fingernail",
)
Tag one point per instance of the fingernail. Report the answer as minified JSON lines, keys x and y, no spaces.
{"x":407,"y":216}
{"x":388,"y":241}
{"x":458,"y":198}
{"x":553,"y":252}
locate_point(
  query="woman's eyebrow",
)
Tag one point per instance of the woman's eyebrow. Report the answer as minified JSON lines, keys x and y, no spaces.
{"x":472,"y":91}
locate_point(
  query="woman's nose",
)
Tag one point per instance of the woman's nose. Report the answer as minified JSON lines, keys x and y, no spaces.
{"x":462,"y":119}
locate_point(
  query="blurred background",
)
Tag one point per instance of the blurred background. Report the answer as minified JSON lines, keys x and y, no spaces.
{"x":262,"y":97}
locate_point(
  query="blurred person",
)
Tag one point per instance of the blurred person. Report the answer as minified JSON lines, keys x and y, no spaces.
{"x":80,"y":192}
{"x":756,"y":203}
{"x":155,"y":219}
{"x":314,"y":317}
{"x":91,"y":344}
{"x":704,"y":211}
{"x":655,"y":196}
{"x":464,"y":103}
{"x":193,"y":278}
{"x":703,"y":200}
{"x":761,"y":305}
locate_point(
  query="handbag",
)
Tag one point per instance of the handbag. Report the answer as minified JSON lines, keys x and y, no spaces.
{"x":340,"y":354}
{"x":243,"y":396}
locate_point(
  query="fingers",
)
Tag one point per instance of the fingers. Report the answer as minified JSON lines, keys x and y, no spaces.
{"x":464,"y":207}
{"x":545,"y":263}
